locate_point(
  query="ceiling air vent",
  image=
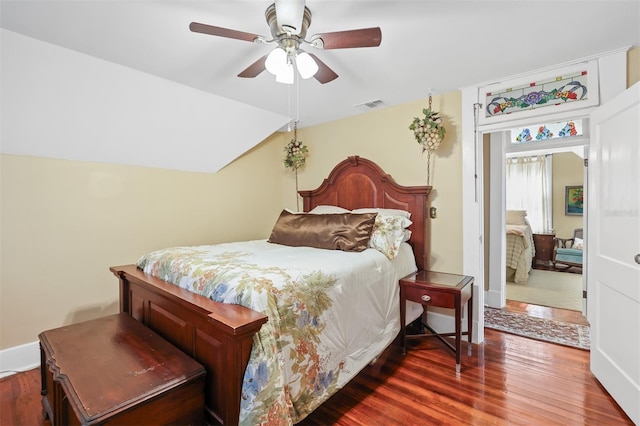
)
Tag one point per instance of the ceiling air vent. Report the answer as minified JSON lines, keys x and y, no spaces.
{"x":370,"y":105}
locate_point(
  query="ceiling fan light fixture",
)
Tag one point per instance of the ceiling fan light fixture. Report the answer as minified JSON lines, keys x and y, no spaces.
{"x":289,"y":15}
{"x":307,"y":67}
{"x":285,"y":74}
{"x":289,"y":22}
{"x":276,"y":60}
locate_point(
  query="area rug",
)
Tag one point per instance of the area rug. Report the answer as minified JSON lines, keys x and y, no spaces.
{"x":561,"y":333}
{"x":549,"y":288}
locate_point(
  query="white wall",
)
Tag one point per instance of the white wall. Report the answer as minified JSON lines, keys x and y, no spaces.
{"x":58,"y":103}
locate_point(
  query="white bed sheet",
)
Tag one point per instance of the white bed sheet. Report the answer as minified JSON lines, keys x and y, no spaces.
{"x":361,"y":320}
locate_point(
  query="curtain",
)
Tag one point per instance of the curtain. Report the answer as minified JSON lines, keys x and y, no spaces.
{"x":528,"y":187}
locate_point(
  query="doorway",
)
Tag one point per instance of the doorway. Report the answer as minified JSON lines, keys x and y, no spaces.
{"x":567,"y":170}
{"x":537,"y":183}
{"x":605,"y":77}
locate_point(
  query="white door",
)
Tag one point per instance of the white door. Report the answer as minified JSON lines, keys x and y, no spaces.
{"x":613,"y":253}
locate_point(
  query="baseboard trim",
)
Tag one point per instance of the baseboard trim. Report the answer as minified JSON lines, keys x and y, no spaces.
{"x":19,"y":358}
{"x":493,"y":299}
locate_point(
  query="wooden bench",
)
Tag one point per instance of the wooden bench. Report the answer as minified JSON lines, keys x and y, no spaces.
{"x":114,"y":370}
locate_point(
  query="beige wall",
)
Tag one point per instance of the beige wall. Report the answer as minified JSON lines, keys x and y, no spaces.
{"x":633,"y":66}
{"x":64,"y":223}
{"x":568,"y":170}
{"x":384,"y":137}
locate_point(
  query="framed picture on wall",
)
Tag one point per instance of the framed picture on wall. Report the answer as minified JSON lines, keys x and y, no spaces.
{"x":573,"y":200}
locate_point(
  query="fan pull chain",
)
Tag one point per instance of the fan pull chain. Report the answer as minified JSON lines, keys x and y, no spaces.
{"x":297,"y":77}
{"x":295,"y":138}
{"x":289,"y":108}
{"x":429,"y":151}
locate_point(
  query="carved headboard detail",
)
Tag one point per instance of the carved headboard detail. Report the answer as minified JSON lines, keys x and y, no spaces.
{"x":358,"y":183}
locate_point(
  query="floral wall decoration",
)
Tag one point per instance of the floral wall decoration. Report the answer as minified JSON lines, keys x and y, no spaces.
{"x":295,"y":158}
{"x":429,"y":132}
{"x":548,"y":131}
{"x":538,"y":94}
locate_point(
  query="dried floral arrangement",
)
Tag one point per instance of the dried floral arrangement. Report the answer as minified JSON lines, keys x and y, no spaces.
{"x":429,"y":133}
{"x":296,"y":154}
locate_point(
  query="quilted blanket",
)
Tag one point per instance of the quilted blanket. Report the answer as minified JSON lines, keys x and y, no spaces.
{"x":330,"y":313}
{"x":519,"y":251}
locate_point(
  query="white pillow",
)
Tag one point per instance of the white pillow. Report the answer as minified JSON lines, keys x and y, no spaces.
{"x":328,"y":210}
{"x":577,"y":243}
{"x":516,"y":217}
{"x":389,"y":231}
{"x":388,"y":212}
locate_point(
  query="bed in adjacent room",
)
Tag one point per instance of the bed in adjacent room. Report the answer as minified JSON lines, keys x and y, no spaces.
{"x":281,"y":324}
{"x":520,"y":249}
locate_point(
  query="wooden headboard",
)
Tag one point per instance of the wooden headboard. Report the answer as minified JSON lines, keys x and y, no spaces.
{"x":358,"y":183}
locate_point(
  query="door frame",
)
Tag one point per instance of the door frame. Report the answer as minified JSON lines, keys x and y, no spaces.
{"x":498,"y":150}
{"x":612,"y":68}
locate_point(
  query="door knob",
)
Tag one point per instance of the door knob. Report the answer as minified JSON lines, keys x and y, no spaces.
{"x":637,"y":258}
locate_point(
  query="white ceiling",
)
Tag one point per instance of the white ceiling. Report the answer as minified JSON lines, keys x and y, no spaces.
{"x":438,"y":45}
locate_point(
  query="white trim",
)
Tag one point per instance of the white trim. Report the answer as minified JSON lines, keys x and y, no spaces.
{"x":551,"y":117}
{"x":496,"y":293}
{"x":472,"y":217}
{"x":555,"y":67}
{"x":494,"y":299}
{"x":551,"y":145}
{"x":592,"y":100}
{"x":612,"y":79}
{"x":19,"y":358}
{"x":613,"y":76}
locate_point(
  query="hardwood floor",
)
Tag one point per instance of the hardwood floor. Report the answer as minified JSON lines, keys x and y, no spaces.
{"x":509,"y":380}
{"x":20,"y":399}
{"x":564,"y":315}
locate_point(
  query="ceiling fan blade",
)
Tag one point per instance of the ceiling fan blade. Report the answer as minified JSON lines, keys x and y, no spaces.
{"x":197,"y":27}
{"x":366,"y":37}
{"x":254,"y":69}
{"x":324,"y":74}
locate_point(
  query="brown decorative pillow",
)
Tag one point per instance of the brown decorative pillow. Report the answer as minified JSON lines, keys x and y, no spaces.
{"x":343,"y":231}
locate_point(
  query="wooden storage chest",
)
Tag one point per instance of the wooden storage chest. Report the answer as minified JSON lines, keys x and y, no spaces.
{"x":114,"y":370}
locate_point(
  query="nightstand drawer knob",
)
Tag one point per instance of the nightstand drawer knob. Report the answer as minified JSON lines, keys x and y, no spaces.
{"x":426,"y":298}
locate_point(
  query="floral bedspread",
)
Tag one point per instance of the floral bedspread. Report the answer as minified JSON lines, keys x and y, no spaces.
{"x":330,"y":313}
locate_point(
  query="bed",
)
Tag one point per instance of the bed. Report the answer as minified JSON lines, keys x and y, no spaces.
{"x":233,"y":341}
{"x":520,"y":249}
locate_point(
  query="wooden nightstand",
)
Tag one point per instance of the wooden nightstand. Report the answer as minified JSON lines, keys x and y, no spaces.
{"x":442,"y":290}
{"x":544,"y":245}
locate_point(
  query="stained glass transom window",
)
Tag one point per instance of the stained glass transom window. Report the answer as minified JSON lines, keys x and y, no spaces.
{"x":546,"y":131}
{"x":539,"y":94}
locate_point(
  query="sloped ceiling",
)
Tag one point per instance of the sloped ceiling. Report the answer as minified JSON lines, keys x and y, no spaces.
{"x":57,"y":103}
{"x":426,"y":45}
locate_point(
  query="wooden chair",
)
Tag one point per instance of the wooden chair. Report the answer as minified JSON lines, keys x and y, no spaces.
{"x":567,"y":253}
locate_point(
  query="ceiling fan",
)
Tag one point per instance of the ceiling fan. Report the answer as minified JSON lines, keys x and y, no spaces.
{"x":289,"y":21}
